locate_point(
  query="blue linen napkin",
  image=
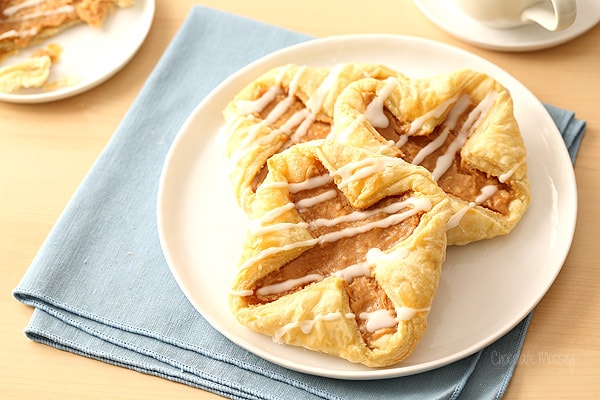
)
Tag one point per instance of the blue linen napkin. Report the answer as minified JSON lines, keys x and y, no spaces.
{"x":101,"y":288}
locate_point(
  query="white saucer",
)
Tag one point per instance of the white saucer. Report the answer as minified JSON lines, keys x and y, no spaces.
{"x":89,"y":56}
{"x":450,"y":18}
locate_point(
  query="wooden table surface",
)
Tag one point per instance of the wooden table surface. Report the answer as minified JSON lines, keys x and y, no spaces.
{"x":46,"y":150}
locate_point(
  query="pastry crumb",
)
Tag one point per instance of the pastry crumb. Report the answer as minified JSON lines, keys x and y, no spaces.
{"x":31,"y":73}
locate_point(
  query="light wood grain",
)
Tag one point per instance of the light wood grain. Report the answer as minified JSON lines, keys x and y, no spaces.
{"x":46,"y":150}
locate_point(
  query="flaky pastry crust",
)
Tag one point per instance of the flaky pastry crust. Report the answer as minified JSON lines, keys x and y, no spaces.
{"x":320,"y":315}
{"x":476,"y":109}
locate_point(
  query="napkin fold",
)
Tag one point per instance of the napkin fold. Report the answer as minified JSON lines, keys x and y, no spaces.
{"x":101,"y":288}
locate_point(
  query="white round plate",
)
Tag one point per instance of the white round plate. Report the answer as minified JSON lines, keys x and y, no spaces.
{"x":450,"y":18}
{"x":89,"y":55}
{"x":486,"y":288}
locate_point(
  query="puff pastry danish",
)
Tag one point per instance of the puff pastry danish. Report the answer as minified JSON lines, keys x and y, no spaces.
{"x":461,"y":127}
{"x":286,"y":105}
{"x":344,"y":253}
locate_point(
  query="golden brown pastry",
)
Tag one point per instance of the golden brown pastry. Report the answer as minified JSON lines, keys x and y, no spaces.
{"x":33,"y":72}
{"x":460,"y":126}
{"x":286,"y":105}
{"x":30,"y":73}
{"x":26,"y":23}
{"x":344,"y":253}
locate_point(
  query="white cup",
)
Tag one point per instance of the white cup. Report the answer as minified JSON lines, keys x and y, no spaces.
{"x":553,"y":15}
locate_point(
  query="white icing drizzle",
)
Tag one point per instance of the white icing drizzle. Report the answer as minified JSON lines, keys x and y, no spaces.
{"x":348,"y":274}
{"x":278,"y":249}
{"x":354,"y":216}
{"x":378,"y":319}
{"x":349,"y":130}
{"x":257,"y":105}
{"x":381,"y":319}
{"x":457,"y":110}
{"x":311,"y":201}
{"x":431,"y":147}
{"x":374,"y":112}
{"x":284,"y":105}
{"x":486,"y":192}
{"x":507,"y":175}
{"x":306,"y":326}
{"x":351,"y":272}
{"x":375,"y":254}
{"x":354,"y":271}
{"x":250,"y":142}
{"x":296,"y":120}
{"x":393,"y":219}
{"x":437,"y":112}
{"x":274,"y":213}
{"x":401,"y":141}
{"x":459,"y":107}
{"x":475,"y":117}
{"x":10,"y":11}
{"x":308,"y":115}
{"x":363,"y":168}
{"x":67,"y":9}
{"x":407,"y":313}
{"x":382,"y":223}
{"x":252,"y":106}
{"x":259,"y":229}
{"x":9,"y":34}
{"x":309,"y":183}
{"x":281,"y":287}
{"x":315,"y":102}
{"x":455,"y":219}
{"x":242,"y":293}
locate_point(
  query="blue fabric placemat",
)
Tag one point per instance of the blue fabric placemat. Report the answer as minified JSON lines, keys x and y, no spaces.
{"x":101,"y":288}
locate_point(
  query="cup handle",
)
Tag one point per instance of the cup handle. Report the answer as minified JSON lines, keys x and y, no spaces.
{"x":553,"y":15}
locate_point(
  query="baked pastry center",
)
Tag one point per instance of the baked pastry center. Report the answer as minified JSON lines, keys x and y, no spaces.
{"x":347,"y":235}
{"x":343,"y":254}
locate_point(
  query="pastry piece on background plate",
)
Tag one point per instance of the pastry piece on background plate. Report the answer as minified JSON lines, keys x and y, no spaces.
{"x":344,"y":253}
{"x":25,"y":23}
{"x":32,"y":72}
{"x":460,"y":126}
{"x":286,"y":105}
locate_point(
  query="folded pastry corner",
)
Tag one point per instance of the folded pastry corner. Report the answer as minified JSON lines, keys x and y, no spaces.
{"x":286,"y":105}
{"x":461,"y":127}
{"x":344,"y":253}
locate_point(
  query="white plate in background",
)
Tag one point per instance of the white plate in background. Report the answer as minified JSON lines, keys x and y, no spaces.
{"x":89,"y":55}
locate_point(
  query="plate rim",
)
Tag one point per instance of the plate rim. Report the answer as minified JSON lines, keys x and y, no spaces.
{"x":265,"y":61}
